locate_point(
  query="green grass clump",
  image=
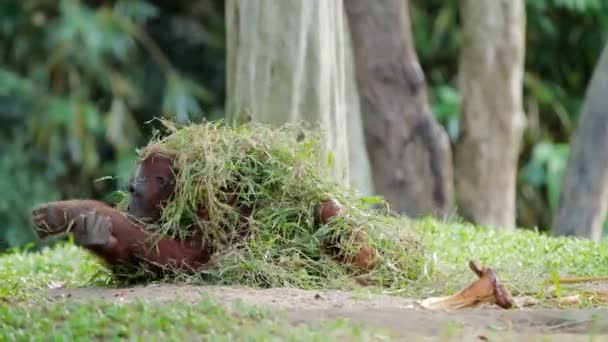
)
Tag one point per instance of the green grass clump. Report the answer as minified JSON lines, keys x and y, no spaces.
{"x":23,"y":274}
{"x":140,"y":321}
{"x":268,"y":182}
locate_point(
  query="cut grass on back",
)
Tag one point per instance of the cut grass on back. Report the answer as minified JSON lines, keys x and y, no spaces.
{"x":260,"y":187}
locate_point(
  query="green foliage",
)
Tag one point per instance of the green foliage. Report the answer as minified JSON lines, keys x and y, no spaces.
{"x":22,"y":189}
{"x":584,"y":6}
{"x":77,"y":81}
{"x":546,"y":168}
{"x":564,"y":39}
{"x":554,"y":88}
{"x":447,"y":109}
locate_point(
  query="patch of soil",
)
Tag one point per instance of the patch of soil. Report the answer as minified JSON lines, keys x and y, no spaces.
{"x":400,"y":316}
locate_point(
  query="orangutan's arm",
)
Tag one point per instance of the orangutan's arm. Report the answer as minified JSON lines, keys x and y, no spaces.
{"x":110,"y":234}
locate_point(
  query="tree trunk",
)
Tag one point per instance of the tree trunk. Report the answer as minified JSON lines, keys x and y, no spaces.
{"x":584,"y":196}
{"x":409,"y":152}
{"x":492,"y":123}
{"x":291,"y":60}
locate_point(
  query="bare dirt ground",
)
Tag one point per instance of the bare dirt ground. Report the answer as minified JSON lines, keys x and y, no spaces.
{"x":401,"y":316}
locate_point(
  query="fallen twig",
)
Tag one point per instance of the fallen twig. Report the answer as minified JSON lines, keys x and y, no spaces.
{"x":576,"y":280}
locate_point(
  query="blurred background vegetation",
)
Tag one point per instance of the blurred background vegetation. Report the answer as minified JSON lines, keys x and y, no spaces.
{"x":78,"y":82}
{"x":562,"y":50}
{"x":81,"y":81}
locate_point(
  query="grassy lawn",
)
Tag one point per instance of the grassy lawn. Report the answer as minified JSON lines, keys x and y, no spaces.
{"x":161,"y":322}
{"x":524,"y":260}
{"x":25,"y":316}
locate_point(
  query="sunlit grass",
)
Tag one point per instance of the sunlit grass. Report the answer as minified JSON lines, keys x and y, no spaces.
{"x":23,"y":274}
{"x":525,"y":260}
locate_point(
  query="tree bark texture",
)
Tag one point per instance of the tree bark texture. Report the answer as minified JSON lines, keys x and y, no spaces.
{"x":584,"y":197}
{"x":409,"y":151}
{"x":291,"y":60}
{"x":492,"y":122}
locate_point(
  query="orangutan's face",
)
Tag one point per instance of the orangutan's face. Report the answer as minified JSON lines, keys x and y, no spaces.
{"x":152,"y":186}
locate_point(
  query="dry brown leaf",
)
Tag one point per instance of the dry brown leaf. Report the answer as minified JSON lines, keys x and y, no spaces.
{"x":486,"y":290}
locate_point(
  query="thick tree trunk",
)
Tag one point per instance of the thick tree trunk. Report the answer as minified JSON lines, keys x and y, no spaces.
{"x":492,"y":123}
{"x":409,"y":152}
{"x":584,"y":196}
{"x":291,"y":60}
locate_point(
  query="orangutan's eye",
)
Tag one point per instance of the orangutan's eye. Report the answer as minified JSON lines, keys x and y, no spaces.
{"x":161,"y":181}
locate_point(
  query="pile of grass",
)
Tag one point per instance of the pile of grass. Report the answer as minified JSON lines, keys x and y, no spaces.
{"x":268,"y":183}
